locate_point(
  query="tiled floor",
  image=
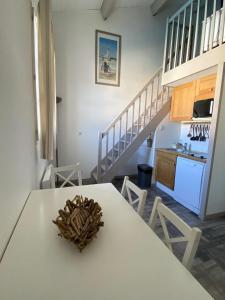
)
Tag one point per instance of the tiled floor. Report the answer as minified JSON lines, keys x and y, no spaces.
{"x":209,"y":264}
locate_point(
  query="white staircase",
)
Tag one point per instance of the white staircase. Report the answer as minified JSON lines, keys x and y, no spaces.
{"x":129,"y":130}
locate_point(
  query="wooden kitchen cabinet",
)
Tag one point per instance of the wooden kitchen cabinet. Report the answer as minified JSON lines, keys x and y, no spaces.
{"x":182,"y":102}
{"x":166,"y":168}
{"x":185,"y":95}
{"x":205,"y":87}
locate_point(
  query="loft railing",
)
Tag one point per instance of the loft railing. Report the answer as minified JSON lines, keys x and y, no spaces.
{"x":197,"y":27}
{"x":121,"y":133}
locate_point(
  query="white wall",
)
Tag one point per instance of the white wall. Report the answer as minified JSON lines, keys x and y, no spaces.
{"x":166,"y":134}
{"x":86,"y":107}
{"x":216,"y":196}
{"x":20,"y":168}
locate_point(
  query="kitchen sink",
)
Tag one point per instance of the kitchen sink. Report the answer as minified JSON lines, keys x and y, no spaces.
{"x":193,"y":154}
{"x":172,"y":149}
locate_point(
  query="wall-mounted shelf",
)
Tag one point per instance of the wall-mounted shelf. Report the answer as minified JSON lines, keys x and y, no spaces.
{"x":198,"y":120}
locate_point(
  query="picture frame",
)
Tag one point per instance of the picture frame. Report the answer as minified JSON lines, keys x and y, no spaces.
{"x":107,"y":58}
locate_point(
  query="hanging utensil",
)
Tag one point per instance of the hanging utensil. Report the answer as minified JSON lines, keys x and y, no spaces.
{"x":203,"y":138}
{"x":207,"y":131}
{"x":196,"y":133}
{"x":200,"y":132}
{"x":193,"y":135}
{"x":189,"y":134}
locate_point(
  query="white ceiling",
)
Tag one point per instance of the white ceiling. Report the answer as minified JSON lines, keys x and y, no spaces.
{"x":62,"y":5}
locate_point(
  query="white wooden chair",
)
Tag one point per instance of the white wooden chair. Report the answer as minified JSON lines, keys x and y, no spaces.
{"x":129,"y":187}
{"x":190,"y":235}
{"x":70,"y":171}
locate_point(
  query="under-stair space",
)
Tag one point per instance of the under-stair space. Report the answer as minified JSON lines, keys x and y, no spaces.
{"x":129,"y":130}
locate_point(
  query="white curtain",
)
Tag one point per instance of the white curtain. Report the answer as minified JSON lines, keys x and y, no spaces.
{"x":47,"y":79}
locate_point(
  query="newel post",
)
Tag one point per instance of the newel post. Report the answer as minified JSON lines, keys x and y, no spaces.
{"x":100,"y":136}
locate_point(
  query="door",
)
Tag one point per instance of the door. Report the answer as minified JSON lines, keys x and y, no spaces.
{"x":188,"y":183}
{"x":165,"y":169}
{"x":182,"y":102}
{"x":205,"y":87}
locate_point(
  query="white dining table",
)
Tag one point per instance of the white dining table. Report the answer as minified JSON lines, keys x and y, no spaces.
{"x":126,"y":260}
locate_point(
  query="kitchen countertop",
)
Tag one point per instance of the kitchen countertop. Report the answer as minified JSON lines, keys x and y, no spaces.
{"x":185,"y":155}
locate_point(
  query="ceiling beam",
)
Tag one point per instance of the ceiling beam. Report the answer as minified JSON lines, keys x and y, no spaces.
{"x":157,"y":5}
{"x":107,"y":8}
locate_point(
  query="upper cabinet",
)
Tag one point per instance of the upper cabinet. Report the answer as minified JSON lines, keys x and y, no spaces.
{"x":205,"y":87}
{"x":185,"y":95}
{"x":182,"y":102}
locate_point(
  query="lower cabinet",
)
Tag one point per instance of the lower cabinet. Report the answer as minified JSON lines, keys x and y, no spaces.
{"x":166,"y":168}
{"x":181,"y":178}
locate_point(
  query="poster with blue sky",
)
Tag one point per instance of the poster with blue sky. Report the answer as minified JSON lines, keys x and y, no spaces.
{"x":108,"y":55}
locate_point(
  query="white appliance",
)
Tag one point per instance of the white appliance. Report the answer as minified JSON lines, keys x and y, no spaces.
{"x":188,"y":183}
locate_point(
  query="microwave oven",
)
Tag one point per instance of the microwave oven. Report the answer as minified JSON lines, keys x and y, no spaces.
{"x":203,"y":108}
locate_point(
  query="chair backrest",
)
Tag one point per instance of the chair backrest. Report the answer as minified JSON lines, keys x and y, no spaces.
{"x":190,"y":235}
{"x":129,"y":187}
{"x":70,"y":171}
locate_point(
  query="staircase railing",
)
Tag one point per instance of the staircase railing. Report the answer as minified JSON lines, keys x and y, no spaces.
{"x":119,"y":135}
{"x":195,"y":28}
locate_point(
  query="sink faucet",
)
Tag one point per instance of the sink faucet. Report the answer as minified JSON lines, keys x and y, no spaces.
{"x":189,"y":148}
{"x":185,"y":147}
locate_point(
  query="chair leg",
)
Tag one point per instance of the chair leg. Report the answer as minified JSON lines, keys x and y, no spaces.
{"x":123,"y":190}
{"x":154,"y":214}
{"x":141,"y":206}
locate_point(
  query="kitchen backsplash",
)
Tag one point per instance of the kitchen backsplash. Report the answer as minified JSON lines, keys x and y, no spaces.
{"x":198,"y":146}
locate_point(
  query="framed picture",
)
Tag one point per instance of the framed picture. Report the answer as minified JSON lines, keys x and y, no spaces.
{"x":107,"y":58}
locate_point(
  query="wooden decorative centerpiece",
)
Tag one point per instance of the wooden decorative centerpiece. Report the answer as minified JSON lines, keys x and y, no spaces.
{"x":79,"y":221}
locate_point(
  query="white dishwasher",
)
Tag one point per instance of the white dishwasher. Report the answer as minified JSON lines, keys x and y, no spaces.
{"x":188,"y":183}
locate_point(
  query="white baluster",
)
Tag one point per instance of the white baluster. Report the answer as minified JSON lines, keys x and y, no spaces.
{"x":150,"y":111}
{"x":145,"y":110}
{"x":132,"y":123}
{"x":171,"y":46}
{"x":120,"y":129}
{"x":204,"y":28}
{"x":157,"y":94}
{"x":113,"y":154}
{"x":126,"y":130}
{"x":99,"y":169}
{"x":107,"y":151}
{"x":166,"y":47}
{"x":177,"y":39}
{"x":139,"y":112}
{"x":182,"y":39}
{"x":212,"y":31}
{"x":189,"y":32}
{"x":196,"y":30}
{"x":222,"y":23}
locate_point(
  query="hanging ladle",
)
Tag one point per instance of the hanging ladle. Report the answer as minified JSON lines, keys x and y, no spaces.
{"x":189,"y":134}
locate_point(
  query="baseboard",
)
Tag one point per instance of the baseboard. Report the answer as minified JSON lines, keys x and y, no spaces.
{"x":214,"y":216}
{"x":119,"y":177}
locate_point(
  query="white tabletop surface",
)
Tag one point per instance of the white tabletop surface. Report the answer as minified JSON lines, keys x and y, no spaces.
{"x":126,"y":261}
